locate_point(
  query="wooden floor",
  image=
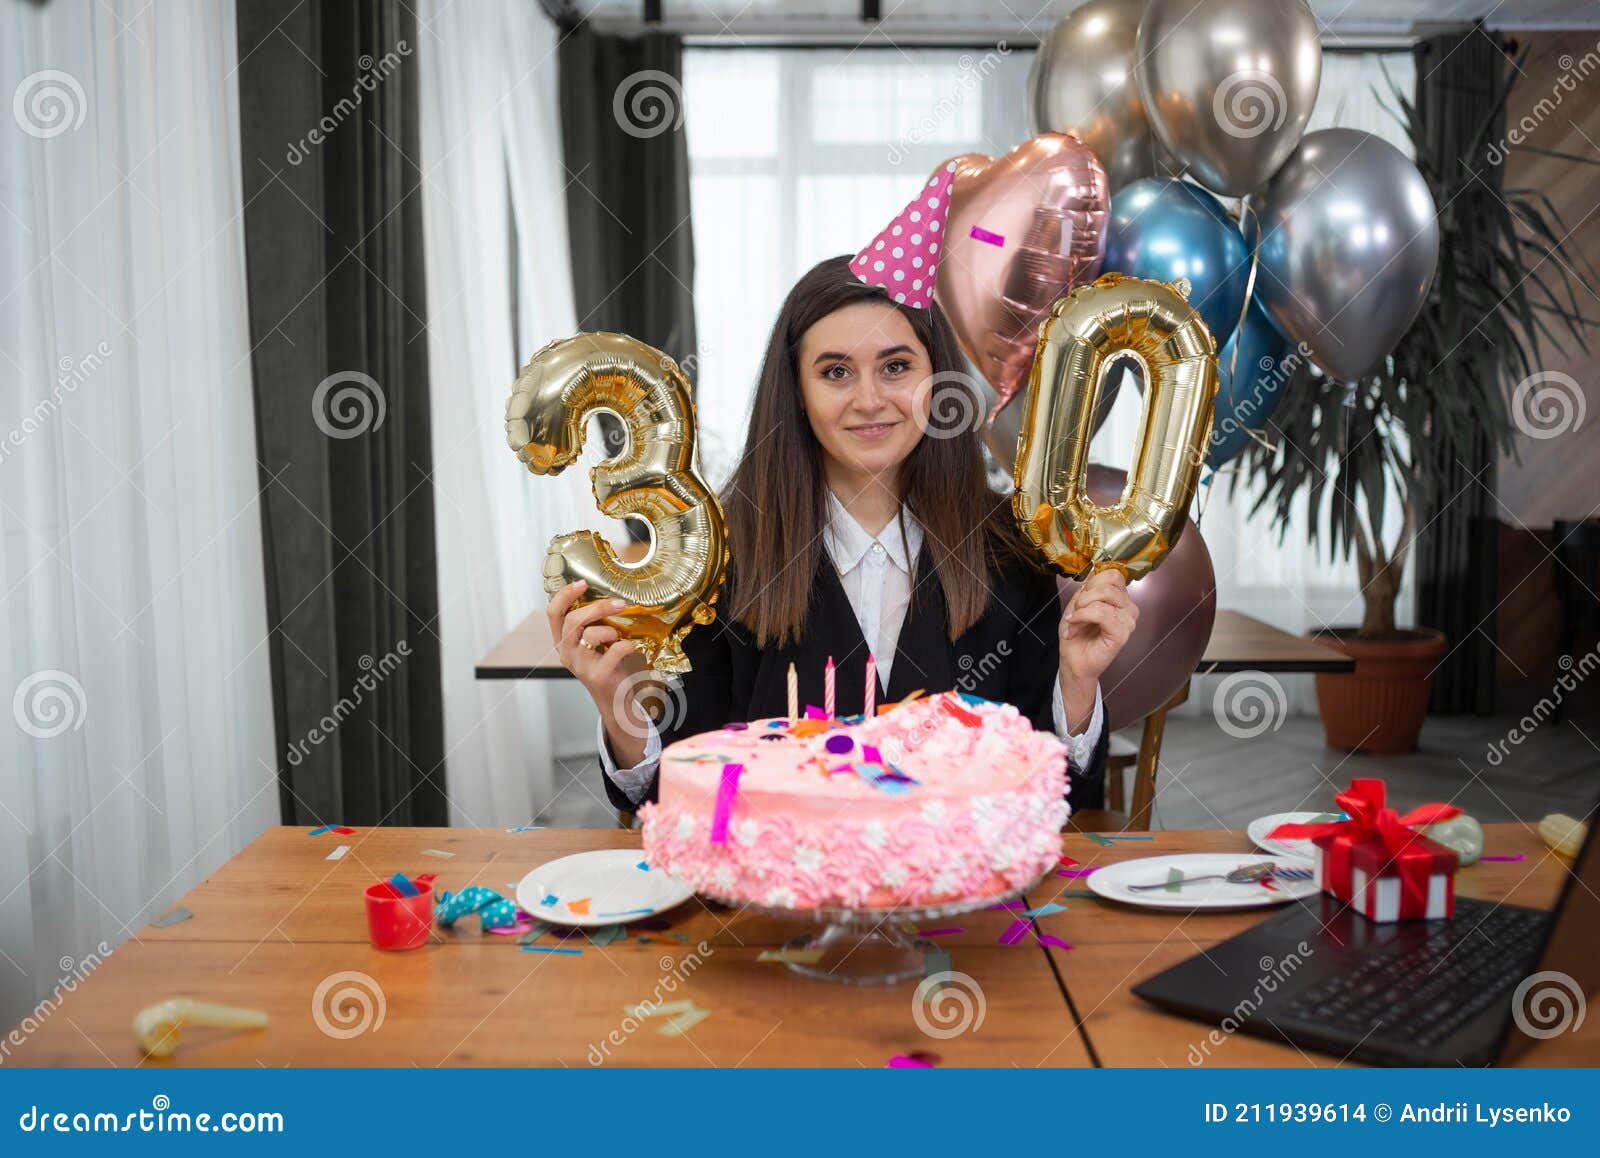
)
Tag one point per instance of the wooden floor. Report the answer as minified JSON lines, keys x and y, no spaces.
{"x":1209,"y":779}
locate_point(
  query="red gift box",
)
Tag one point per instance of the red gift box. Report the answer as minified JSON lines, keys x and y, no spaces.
{"x":1376,"y":862}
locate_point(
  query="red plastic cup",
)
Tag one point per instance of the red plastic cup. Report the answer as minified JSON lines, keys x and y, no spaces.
{"x":396,"y":921}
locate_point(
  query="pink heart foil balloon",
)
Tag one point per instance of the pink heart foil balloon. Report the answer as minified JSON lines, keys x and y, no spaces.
{"x":1023,"y":231}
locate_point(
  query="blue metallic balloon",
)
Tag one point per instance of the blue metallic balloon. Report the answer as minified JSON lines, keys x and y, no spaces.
{"x":1170,"y":229}
{"x":1267,"y":361}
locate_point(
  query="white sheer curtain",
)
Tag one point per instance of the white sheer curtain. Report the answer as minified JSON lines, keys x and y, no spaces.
{"x":491,"y":152}
{"x":138,"y":754}
{"x":800,"y":154}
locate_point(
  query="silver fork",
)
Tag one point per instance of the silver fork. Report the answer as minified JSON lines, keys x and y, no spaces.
{"x":1242,"y":875}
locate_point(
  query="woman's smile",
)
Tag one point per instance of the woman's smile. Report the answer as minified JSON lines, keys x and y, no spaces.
{"x":872,"y":431}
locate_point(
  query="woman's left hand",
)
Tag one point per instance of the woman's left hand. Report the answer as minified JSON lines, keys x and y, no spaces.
{"x":1097,"y":623}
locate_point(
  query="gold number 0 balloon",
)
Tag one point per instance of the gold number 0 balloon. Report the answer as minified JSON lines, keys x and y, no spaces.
{"x":1087,"y":331}
{"x":656,"y":478}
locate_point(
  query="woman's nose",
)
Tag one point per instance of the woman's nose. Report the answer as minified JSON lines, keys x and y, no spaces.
{"x":869,"y":394}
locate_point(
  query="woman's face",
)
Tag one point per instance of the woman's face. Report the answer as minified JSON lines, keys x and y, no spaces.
{"x":863,"y":373}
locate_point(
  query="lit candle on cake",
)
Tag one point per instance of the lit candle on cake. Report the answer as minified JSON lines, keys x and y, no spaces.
{"x":827,"y":688}
{"x":872,"y":686}
{"x":794,"y":696}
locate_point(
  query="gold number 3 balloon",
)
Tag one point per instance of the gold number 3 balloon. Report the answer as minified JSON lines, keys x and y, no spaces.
{"x":655,"y":478}
{"x":1087,"y":333}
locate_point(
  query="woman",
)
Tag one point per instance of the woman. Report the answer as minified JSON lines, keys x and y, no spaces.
{"x":855,"y":527}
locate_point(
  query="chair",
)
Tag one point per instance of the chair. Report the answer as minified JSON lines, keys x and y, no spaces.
{"x":1577,"y":554}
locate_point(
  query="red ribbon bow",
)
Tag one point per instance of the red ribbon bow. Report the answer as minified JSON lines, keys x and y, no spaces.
{"x":1363,"y":803}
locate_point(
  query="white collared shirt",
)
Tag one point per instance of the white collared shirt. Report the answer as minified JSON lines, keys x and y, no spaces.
{"x":876,"y":572}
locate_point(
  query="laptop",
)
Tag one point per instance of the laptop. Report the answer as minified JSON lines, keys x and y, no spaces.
{"x":1412,"y":993}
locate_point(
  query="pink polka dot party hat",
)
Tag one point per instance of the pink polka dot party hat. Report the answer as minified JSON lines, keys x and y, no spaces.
{"x":904,"y":258}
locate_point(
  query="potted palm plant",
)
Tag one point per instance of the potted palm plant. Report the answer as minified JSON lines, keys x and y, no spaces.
{"x":1503,"y":283}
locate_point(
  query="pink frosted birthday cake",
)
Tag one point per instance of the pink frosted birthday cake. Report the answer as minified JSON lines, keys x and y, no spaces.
{"x":939,"y":799}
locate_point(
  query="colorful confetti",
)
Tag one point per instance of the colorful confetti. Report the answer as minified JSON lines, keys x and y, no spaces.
{"x":525,"y":828}
{"x":1008,"y":905}
{"x":437,"y":852}
{"x":902,"y":1061}
{"x":1044,"y":910}
{"x":551,"y":949}
{"x":1077,"y":872}
{"x":579,"y":907}
{"x":176,"y":917}
{"x":1015,"y":934}
{"x":1052,"y":941}
{"x":627,"y":913}
{"x":950,"y":932}
{"x":1174,"y":879}
{"x":338,"y":853}
{"x":539,"y":929}
{"x":1501,"y":859}
{"x":934,"y":962}
{"x":681,"y":1016}
{"x":605,"y":935}
{"x":797,"y":956}
{"x":981,"y":234}
{"x":402,"y":885}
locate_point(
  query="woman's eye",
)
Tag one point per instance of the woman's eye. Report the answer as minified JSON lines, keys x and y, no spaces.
{"x":836,"y":373}
{"x":898,"y":366}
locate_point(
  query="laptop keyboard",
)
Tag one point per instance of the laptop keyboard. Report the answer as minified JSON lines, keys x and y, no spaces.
{"x":1425,"y":992}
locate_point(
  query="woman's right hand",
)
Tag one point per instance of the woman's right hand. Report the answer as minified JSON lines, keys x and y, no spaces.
{"x":610,"y":668}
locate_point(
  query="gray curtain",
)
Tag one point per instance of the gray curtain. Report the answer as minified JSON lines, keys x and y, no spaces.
{"x":1462,"y":79}
{"x":333,"y":239}
{"x":627,"y":159}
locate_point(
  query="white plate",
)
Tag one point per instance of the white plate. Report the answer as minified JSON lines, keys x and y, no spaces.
{"x":1300,"y":849}
{"x":617,"y":888}
{"x":1112,"y":882}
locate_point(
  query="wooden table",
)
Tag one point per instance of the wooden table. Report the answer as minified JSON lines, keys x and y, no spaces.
{"x":280,"y":922}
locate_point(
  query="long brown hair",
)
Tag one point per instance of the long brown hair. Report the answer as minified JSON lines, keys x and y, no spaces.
{"x":776,"y":500}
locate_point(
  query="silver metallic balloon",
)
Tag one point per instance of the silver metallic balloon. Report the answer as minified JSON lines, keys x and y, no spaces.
{"x":1081,"y":81}
{"x":1228,"y":85}
{"x":1350,"y":242}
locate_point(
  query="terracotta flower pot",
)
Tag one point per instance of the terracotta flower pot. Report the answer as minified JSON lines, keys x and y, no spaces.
{"x":1379,"y":707}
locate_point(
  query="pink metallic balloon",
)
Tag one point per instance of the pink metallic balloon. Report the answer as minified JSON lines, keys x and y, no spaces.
{"x":1023,"y":230}
{"x":1177,"y":605}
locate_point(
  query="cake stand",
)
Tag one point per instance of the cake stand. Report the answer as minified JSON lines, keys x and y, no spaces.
{"x":870,"y":946}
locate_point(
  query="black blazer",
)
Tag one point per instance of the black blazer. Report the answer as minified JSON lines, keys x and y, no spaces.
{"x":1010,"y":655}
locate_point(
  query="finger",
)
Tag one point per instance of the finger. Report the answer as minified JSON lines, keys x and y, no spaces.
{"x":1100,"y":614}
{"x":561,"y":602}
{"x":1109,"y":577}
{"x":581,"y":617}
{"x":601,"y":636}
{"x":1108,"y":596}
{"x":612,"y":662}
